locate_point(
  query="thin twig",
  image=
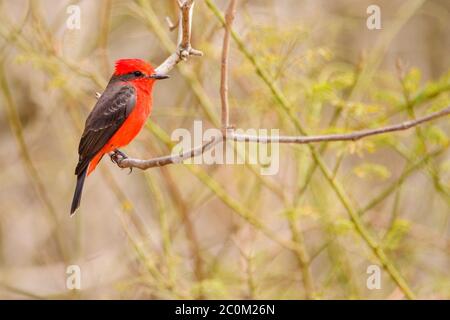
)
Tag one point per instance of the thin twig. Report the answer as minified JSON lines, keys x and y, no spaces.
{"x":229,"y":18}
{"x":172,"y":26}
{"x":184,"y":49}
{"x":353,"y":136}
{"x":171,"y":159}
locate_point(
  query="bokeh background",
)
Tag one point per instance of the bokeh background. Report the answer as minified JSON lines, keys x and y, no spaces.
{"x":197,"y":231}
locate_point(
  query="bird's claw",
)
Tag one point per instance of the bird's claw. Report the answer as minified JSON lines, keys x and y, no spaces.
{"x":117,"y":156}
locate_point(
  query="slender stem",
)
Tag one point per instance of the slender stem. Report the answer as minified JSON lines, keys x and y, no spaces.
{"x":229,"y":18}
{"x":184,"y":49}
{"x":353,"y":136}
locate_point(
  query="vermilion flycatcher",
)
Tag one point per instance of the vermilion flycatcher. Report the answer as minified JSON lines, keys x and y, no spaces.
{"x":118,"y":116}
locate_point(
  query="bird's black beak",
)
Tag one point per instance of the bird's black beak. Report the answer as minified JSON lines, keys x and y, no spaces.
{"x":158,"y":76}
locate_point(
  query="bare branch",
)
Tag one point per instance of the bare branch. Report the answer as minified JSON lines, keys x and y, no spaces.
{"x":170,"y":159}
{"x":186,"y":23}
{"x":353,"y":136}
{"x":172,"y":26}
{"x":184,"y":48}
{"x":229,"y":18}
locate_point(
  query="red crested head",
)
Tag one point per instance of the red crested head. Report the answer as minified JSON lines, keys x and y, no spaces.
{"x":136,"y":69}
{"x":125,"y":66}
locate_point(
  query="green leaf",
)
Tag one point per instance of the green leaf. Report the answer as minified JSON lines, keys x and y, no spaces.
{"x":372,"y":170}
{"x":343,"y":80}
{"x":214,"y":288}
{"x":343,"y":226}
{"x":388,"y":97}
{"x":322,"y":91}
{"x":411,"y":82}
{"x":436,"y":136}
{"x":396,"y":234}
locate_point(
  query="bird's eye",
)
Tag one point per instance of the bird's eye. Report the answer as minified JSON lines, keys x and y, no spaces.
{"x":138,"y":74}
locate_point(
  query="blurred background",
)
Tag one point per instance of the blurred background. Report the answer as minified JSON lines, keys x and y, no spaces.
{"x":225,"y":231}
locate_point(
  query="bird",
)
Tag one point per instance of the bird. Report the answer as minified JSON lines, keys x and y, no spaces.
{"x":116,"y":119}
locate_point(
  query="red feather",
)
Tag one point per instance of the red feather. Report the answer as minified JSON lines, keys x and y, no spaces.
{"x":124,"y":66}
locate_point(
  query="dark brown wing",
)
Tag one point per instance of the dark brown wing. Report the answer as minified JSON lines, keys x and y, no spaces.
{"x":110,"y":112}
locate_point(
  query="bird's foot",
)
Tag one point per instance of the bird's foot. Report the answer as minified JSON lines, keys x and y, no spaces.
{"x":118,"y":156}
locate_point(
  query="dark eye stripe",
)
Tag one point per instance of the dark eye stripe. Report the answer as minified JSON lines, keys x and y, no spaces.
{"x":131,"y":76}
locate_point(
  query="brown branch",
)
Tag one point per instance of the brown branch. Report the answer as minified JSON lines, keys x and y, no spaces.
{"x":170,"y":159}
{"x":353,"y":136}
{"x":184,"y":48}
{"x":229,"y":18}
{"x":186,"y":22}
{"x":172,"y":26}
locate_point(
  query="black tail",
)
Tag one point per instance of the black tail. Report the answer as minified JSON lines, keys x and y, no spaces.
{"x":78,"y":191}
